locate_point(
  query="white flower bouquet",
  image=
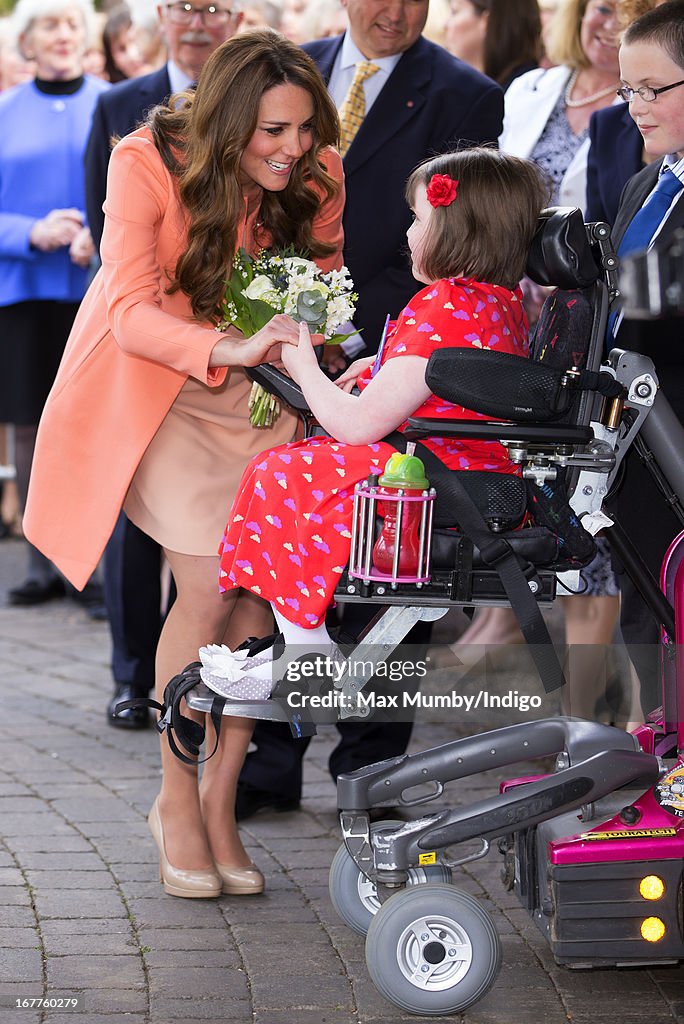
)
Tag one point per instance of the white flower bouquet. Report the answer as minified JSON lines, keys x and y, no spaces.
{"x":284,"y":282}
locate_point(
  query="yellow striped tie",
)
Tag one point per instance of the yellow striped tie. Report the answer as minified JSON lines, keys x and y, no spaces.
{"x":353,"y":109}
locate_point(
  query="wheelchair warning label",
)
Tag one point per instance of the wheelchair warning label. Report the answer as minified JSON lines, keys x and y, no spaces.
{"x":630,"y":833}
{"x":670,"y":791}
{"x":427,"y":858}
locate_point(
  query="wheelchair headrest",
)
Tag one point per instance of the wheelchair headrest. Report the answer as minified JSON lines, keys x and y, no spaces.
{"x":560,"y":254}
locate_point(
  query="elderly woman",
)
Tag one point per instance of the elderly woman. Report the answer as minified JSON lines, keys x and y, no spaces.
{"x":45,"y":245}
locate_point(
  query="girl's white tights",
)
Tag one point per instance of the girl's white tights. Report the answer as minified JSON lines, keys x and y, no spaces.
{"x":298,"y":641}
{"x":314,"y":639}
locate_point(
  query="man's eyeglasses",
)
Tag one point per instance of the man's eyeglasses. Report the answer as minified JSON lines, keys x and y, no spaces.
{"x":182,"y":14}
{"x":646,"y":93}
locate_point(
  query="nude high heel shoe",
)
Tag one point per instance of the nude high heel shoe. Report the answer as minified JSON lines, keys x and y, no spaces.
{"x":241,"y":881}
{"x":195,"y":884}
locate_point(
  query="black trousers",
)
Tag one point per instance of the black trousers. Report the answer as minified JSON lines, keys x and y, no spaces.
{"x":642,"y":512}
{"x":132,"y":587}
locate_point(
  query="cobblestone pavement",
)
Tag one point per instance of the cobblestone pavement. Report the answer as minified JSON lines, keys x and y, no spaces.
{"x":82,"y":912}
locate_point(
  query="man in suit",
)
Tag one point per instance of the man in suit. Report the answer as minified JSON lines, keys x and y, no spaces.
{"x":421,"y":101}
{"x":652,"y":72}
{"x":418,"y":101}
{"x":193,"y":30}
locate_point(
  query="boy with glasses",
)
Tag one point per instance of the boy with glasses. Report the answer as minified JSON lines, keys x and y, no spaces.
{"x":651,"y":209}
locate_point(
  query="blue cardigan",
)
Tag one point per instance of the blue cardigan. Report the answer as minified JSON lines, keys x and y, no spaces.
{"x":42,"y":141}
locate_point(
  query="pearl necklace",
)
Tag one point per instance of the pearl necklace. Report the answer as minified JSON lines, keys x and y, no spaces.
{"x":586,"y":100}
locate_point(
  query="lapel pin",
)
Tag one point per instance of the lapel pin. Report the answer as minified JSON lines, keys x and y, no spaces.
{"x":409,"y":103}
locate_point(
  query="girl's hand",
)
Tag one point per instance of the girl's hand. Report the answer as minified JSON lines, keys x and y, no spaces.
{"x":266,"y":346}
{"x":347,"y":380}
{"x":298,"y":358}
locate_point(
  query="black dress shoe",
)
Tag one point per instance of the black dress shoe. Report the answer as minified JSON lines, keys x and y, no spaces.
{"x":36,"y":592}
{"x":250,"y":800}
{"x":131,"y":718}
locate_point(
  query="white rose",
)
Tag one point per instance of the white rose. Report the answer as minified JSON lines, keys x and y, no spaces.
{"x":261,"y":288}
{"x":297,"y":265}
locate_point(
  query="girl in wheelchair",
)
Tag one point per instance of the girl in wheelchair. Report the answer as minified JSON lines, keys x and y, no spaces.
{"x":288,"y":533}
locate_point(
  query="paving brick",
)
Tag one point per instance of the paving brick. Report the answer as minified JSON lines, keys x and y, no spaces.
{"x":66,"y":927}
{"x":22,"y":965}
{"x":335,"y":1015}
{"x":58,"y":878}
{"x":187,"y":939}
{"x":115,"y":1001}
{"x":60,"y":861}
{"x":118,"y":1017}
{"x":17,"y":917}
{"x":79,"y":903}
{"x":200,"y":1007}
{"x":225,"y":982}
{"x":167,"y":912}
{"x":95,"y":972}
{"x":302,"y":992}
{"x":15,"y":895}
{"x":102,"y":944}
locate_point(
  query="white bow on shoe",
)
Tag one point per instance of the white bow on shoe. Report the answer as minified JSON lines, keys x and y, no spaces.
{"x":226,"y":672}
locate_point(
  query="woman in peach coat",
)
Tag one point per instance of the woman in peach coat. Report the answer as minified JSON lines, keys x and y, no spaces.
{"x":149,"y":408}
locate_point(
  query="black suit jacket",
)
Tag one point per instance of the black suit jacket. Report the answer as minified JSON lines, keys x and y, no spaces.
{"x":615,"y":154}
{"x":126,"y":106}
{"x":663,"y":341}
{"x":431,"y":103}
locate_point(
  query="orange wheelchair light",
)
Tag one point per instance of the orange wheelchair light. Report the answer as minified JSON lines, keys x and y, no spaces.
{"x":651,"y":887}
{"x":652,"y":929}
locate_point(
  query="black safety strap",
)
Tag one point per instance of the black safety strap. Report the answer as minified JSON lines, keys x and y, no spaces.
{"x":190,"y":734}
{"x":184,"y":732}
{"x":497,"y":553}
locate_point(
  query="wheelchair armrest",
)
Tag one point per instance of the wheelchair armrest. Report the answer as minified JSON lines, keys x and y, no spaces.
{"x":279,"y":385}
{"x":539,"y":433}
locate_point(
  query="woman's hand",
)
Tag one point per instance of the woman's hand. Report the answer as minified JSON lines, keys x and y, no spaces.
{"x":57,"y":230}
{"x":300,"y":357}
{"x":266,"y":346}
{"x":82,"y":248}
{"x":347,"y":380}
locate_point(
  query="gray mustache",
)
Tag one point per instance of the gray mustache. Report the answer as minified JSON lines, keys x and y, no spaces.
{"x":196,"y":38}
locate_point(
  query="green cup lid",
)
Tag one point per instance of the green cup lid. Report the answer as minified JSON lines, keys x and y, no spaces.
{"x":404,"y":471}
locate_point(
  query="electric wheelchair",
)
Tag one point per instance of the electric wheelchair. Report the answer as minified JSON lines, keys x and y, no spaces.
{"x":593,"y":848}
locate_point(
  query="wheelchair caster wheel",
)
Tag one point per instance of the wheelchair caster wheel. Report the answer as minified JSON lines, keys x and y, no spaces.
{"x":432,"y":950}
{"x":355,"y":897}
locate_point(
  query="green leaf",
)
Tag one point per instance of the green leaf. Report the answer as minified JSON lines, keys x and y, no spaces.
{"x":311,"y":307}
{"x":337,"y":339}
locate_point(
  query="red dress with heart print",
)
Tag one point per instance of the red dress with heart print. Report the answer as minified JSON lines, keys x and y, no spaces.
{"x":288,"y":535}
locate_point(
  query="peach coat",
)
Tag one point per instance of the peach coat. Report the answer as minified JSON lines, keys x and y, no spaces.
{"x":131,"y":349}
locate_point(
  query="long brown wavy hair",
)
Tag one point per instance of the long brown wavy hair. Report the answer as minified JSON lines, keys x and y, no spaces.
{"x":201,"y":140}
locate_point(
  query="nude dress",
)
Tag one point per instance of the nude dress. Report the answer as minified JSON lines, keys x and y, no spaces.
{"x":184,"y":486}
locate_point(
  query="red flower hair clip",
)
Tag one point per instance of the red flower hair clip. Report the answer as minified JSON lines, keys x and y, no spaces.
{"x":441,"y":190}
